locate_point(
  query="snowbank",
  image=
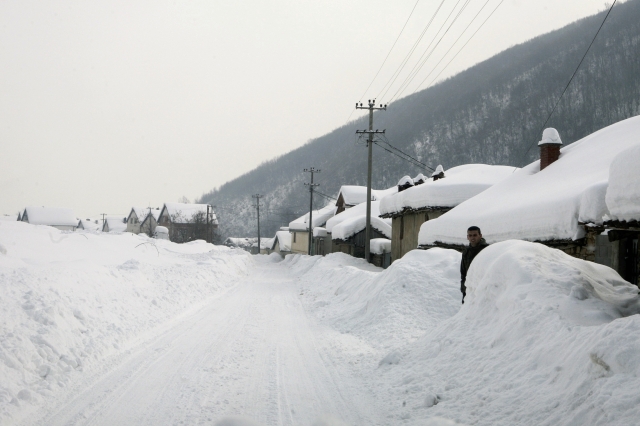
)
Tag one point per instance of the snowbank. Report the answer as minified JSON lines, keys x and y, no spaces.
{"x":68,"y":300}
{"x":460,"y":184}
{"x":623,"y":193}
{"x":545,"y":205}
{"x":543,"y":338}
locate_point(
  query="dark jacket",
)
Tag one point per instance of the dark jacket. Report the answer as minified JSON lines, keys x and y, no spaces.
{"x":468,"y":254}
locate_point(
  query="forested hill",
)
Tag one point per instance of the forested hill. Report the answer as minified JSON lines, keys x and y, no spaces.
{"x":490,"y":113}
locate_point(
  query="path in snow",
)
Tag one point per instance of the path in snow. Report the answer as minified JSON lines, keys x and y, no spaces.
{"x":253,"y":352}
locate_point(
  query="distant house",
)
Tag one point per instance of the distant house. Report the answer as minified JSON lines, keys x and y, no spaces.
{"x":63,"y":219}
{"x":242,"y":243}
{"x":142,"y":219}
{"x":579,"y":199}
{"x":281,"y":243}
{"x":89,"y":224}
{"x":299,"y":228}
{"x":419,"y":200}
{"x":188,"y":222}
{"x":114,"y":224}
{"x":347,"y":229}
{"x":352,"y":195}
{"x":266,"y":245}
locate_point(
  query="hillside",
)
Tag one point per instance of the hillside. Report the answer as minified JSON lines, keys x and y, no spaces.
{"x":490,"y":113}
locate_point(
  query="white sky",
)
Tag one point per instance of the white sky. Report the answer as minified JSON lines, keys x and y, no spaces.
{"x":106,"y":105}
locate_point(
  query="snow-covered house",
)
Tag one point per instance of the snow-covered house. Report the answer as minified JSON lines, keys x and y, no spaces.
{"x":415,"y":204}
{"x":188,"y":222}
{"x":281,"y":243}
{"x":89,"y":224}
{"x":114,"y":224}
{"x":63,"y":219}
{"x":299,"y":228}
{"x":240,"y":242}
{"x":347,"y":229}
{"x":591,"y":185}
{"x":142,"y":219}
{"x":352,"y":195}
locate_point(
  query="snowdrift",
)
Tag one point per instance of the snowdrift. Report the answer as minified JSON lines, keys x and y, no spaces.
{"x":543,"y":339}
{"x":69,"y":300}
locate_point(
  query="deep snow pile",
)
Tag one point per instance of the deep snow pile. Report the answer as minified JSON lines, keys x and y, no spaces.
{"x":68,"y":300}
{"x":543,"y":338}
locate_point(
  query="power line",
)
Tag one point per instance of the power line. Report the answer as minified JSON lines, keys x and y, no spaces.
{"x":324,"y":195}
{"x":414,"y":163}
{"x":420,"y":63}
{"x":386,"y":141}
{"x":390,"y":50}
{"x":571,"y":79}
{"x":396,"y":73}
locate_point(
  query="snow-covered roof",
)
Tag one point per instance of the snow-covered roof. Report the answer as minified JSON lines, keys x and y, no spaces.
{"x":319,"y":232}
{"x":184,"y":213}
{"x":460,"y":184}
{"x":240,"y":242}
{"x":142,"y":212}
{"x":545,"y":205}
{"x":266,"y":243}
{"x":283,"y":238}
{"x":359,"y":210}
{"x":354,"y":195}
{"x":350,"y":227}
{"x":380,"y":246}
{"x":320,"y":217}
{"x":53,"y":216}
{"x":115,"y":224}
{"x":623,"y":191}
{"x":405,"y":180}
{"x":90,"y":224}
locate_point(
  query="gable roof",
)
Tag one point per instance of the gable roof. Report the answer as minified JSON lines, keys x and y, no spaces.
{"x":460,"y":184}
{"x":184,"y":213}
{"x":359,"y":210}
{"x":542,"y":205}
{"x":320,"y":217}
{"x":283,"y":238}
{"x":114,"y":223}
{"x":52,"y":216}
{"x":353,"y":195}
{"x":350,"y":227}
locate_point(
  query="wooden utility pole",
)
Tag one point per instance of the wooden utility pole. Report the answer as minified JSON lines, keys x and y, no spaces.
{"x":257,"y":206}
{"x":103,"y":215}
{"x":311,"y":186}
{"x":371,"y":107}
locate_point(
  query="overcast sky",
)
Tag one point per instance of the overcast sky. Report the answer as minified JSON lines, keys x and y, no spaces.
{"x":109,"y":104}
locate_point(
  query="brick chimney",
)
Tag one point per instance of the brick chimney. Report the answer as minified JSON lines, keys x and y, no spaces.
{"x":549,"y":147}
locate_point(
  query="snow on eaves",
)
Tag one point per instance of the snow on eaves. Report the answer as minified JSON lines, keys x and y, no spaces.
{"x":52,"y":216}
{"x":354,"y":195}
{"x":380,"y":246}
{"x":350,"y":227}
{"x":460,"y":184}
{"x":545,"y":205}
{"x":623,"y":192}
{"x":320,"y":217}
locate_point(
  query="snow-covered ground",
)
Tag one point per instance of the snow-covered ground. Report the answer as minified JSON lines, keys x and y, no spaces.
{"x":97,"y":329}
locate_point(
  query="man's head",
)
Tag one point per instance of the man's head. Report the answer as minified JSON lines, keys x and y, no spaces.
{"x":474,"y":235}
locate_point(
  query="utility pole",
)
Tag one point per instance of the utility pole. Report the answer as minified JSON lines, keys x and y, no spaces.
{"x":371,"y":107}
{"x":311,"y":186}
{"x":149,"y":219}
{"x":103,"y":215}
{"x":257,"y":206}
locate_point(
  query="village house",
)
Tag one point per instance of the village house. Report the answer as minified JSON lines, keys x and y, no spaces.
{"x":188,"y":222}
{"x":142,"y":219}
{"x":63,"y":219}
{"x":299,"y":228}
{"x":579,"y":199}
{"x":420,"y":199}
{"x":241,"y":242}
{"x":352,"y":195}
{"x":89,"y":224}
{"x":114,"y":224}
{"x":347,"y":229}
{"x":281,"y":243}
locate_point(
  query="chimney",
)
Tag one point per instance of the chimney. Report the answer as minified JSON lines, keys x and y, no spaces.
{"x":549,"y":147}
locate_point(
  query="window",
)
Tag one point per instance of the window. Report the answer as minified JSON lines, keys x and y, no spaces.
{"x":294,"y":236}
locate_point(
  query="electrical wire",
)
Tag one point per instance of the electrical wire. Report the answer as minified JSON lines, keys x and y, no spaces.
{"x":386,"y":141}
{"x":570,"y":80}
{"x":396,"y":73}
{"x":323,"y":195}
{"x":420,"y":63}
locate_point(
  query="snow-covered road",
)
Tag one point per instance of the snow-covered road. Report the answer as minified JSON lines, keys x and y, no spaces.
{"x":252,"y":351}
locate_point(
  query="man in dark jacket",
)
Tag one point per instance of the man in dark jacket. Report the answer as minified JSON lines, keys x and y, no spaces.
{"x":476,"y":245}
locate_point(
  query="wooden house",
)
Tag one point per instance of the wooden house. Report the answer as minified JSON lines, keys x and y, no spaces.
{"x":188,"y":222}
{"x":419,"y":200}
{"x":63,"y":219}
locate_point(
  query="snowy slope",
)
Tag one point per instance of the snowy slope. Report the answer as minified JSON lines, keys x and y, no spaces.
{"x":70,"y":300}
{"x":542,"y":205}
